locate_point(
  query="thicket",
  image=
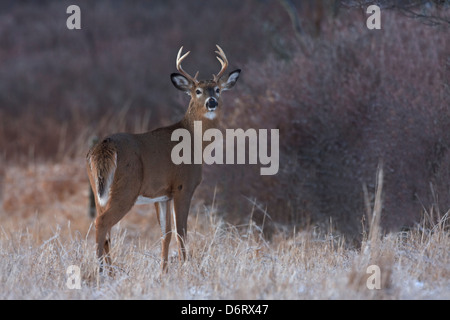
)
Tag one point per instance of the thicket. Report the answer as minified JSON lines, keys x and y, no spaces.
{"x":345,"y":99}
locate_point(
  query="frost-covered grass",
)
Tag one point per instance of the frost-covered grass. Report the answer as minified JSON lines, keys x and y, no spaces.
{"x":44,"y":229}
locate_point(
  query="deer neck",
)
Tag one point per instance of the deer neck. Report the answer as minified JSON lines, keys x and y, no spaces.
{"x":192,"y":116}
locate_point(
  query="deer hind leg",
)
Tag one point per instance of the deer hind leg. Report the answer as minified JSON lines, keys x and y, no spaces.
{"x":106,"y":247}
{"x":100,"y":238}
{"x":114,"y":213}
{"x":103,"y":230}
{"x":163,"y":214}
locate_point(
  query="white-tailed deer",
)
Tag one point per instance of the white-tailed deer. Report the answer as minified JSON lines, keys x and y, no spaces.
{"x":127,"y":169}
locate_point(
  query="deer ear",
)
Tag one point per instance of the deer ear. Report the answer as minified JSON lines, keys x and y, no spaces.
{"x":231,"y":80}
{"x":181,"y":82}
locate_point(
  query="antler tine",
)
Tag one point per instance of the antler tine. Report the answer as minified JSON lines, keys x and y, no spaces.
{"x":179,"y":68}
{"x":223,"y":61}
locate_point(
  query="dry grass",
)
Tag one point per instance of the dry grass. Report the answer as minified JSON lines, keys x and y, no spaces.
{"x":345,"y":99}
{"x":44,"y":229}
{"x":350,"y":97}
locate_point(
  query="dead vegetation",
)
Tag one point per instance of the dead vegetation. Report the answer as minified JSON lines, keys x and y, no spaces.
{"x":44,"y":232}
{"x":345,"y":100}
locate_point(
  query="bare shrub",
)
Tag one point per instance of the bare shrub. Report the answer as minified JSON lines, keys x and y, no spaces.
{"x":358,"y":99}
{"x":343,"y":100}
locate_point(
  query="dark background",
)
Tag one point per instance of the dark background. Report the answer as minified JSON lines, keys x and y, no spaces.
{"x":345,"y":99}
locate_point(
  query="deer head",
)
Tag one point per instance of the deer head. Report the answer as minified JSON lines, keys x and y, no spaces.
{"x":205,"y":94}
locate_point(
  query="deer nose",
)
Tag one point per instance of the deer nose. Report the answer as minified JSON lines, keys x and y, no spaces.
{"x":211,"y":104}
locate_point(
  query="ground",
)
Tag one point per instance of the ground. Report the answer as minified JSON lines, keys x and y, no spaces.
{"x":45,"y":231}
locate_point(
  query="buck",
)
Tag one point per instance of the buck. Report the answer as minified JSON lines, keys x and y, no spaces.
{"x":127,"y":169}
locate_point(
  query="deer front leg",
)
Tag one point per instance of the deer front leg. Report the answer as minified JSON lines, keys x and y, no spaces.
{"x":163,"y":214}
{"x":180,"y":211}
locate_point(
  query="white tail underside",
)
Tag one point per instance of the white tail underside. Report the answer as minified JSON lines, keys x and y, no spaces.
{"x":103,"y":200}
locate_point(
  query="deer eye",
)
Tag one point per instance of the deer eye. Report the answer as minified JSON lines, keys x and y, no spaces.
{"x":217,"y":90}
{"x":198,"y":91}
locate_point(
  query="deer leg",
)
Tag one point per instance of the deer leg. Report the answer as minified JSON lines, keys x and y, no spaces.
{"x":100,"y":238}
{"x":106,"y":248}
{"x":163,"y":214}
{"x":180,"y":211}
{"x":103,"y":225}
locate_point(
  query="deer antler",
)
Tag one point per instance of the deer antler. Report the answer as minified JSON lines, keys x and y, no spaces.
{"x":223,"y":61}
{"x":179,"y":68}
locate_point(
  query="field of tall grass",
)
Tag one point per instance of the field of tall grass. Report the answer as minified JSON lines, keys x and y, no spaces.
{"x":363,"y":117}
{"x":45,"y":229}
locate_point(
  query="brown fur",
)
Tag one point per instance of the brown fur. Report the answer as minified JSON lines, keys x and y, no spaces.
{"x":101,"y":162}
